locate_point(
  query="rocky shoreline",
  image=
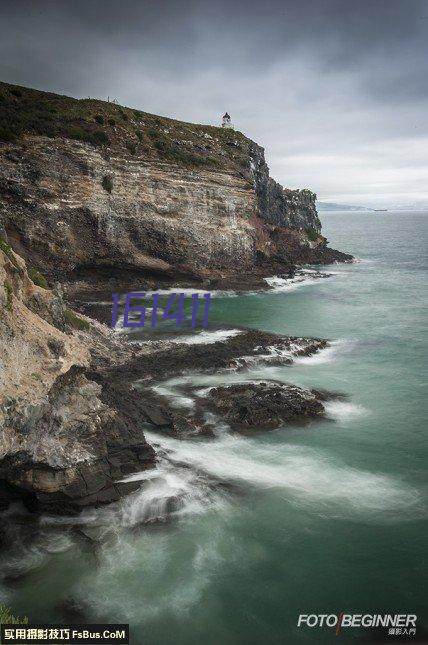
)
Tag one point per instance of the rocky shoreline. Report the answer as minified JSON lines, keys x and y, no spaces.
{"x":76,"y":433}
{"x":97,"y":198}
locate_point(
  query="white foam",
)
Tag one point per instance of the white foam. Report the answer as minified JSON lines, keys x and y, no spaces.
{"x":169,"y":489}
{"x":207,"y":337}
{"x":273,"y":354}
{"x":363,"y":261}
{"x":280,"y":285}
{"x":170,"y":389}
{"x":344,"y":411}
{"x":326,"y":355}
{"x":310,"y":476}
{"x":191,"y":291}
{"x":133,"y":317}
{"x":159,"y":579}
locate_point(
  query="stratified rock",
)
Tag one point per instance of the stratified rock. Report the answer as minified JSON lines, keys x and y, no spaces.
{"x":179,"y":202}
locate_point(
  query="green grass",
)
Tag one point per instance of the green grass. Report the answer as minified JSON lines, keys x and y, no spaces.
{"x":36,"y":277}
{"x":312,"y":234}
{"x":7,"y":617}
{"x":75,"y":322}
{"x":7,"y":250}
{"x":32,"y":112}
{"x":24,"y":111}
{"x":168,"y":149}
{"x":9,"y":294}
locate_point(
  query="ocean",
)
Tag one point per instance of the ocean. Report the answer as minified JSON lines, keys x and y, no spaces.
{"x":317,"y":519}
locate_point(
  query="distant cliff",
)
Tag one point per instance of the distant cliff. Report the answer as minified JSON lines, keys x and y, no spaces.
{"x":331,"y":206}
{"x":87,"y":185}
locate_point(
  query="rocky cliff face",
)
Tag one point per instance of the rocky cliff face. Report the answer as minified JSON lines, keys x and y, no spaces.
{"x":160,"y":197}
{"x":62,"y":445}
{"x":291,"y":209}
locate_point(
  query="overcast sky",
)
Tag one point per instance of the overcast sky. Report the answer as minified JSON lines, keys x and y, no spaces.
{"x":336,"y":91}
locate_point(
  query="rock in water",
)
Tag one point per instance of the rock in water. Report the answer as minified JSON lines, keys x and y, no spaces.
{"x":265,"y":404}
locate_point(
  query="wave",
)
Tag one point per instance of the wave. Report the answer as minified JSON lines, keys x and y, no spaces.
{"x":309,"y":476}
{"x":344,"y":411}
{"x":206,"y":337}
{"x":279,"y":285}
{"x":172,"y":489}
{"x":273,"y":355}
{"x":168,"y":569}
{"x":133,"y":317}
{"x":326,"y":355}
{"x":364,"y":261}
{"x":188,"y":291}
{"x":171,"y":389}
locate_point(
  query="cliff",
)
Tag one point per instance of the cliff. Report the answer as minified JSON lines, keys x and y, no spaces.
{"x":91,"y":192}
{"x":63,"y":442}
{"x":89,"y":186}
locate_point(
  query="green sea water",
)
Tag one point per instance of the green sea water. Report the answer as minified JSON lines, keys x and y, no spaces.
{"x":321,"y":519}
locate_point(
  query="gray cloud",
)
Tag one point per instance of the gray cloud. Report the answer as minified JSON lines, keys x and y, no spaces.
{"x":335,"y":90}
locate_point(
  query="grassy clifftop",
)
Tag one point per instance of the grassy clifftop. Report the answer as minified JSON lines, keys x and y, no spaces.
{"x":112,"y":126}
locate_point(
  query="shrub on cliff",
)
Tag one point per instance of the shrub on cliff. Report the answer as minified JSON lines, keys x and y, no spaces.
{"x":7,"y":250}
{"x":37,"y":278}
{"x":7,"y":133}
{"x":312,"y":234}
{"x":171,"y":151}
{"x":75,"y":322}
{"x":107,"y":183}
{"x":27,"y":111}
{"x":9,"y":294}
{"x":100,"y":138}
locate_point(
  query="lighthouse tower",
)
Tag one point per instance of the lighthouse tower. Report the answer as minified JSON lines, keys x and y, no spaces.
{"x":227,"y":123}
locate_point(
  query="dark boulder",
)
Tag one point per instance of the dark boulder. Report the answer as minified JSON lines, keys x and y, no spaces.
{"x":264,"y":404}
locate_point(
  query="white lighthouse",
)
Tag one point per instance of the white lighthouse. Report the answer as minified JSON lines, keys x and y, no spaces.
{"x":227,"y":123}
